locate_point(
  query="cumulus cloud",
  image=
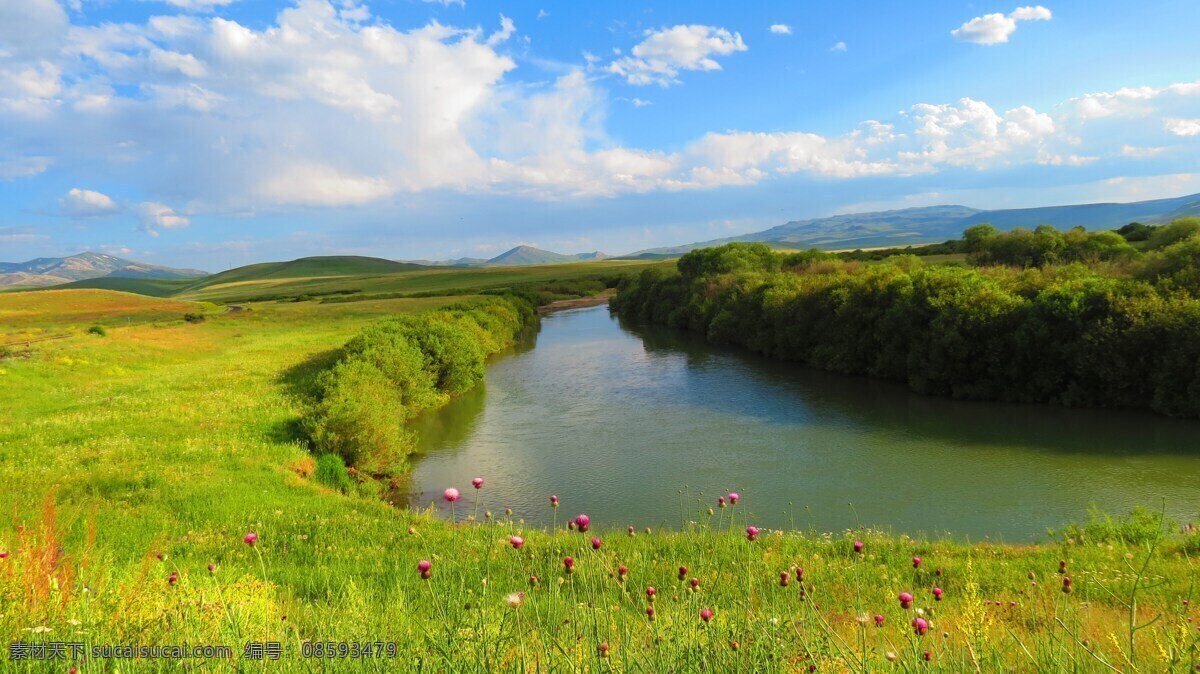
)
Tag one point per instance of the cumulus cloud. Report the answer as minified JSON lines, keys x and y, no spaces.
{"x":781,"y":29}
{"x":157,"y":216}
{"x":318,"y":109}
{"x":840,"y":46}
{"x":84,"y":203}
{"x":1183,"y":127}
{"x":993,"y":29}
{"x":659,"y":58}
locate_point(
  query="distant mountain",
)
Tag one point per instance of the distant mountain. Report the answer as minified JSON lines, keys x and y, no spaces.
{"x":47,"y":271}
{"x":310,"y":267}
{"x":523,"y":255}
{"x":939,"y":223}
{"x":460,"y":262}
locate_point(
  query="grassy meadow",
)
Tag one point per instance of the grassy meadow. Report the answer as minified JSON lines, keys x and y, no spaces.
{"x":136,"y":464}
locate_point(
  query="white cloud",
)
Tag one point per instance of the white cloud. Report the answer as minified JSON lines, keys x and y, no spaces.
{"x":23,"y":167}
{"x":781,"y":29}
{"x":198,"y":5}
{"x":1183,"y":127}
{"x":639,"y":103}
{"x":992,"y":29}
{"x":157,"y":216}
{"x":317,"y":185}
{"x":840,"y":46}
{"x":1137,"y":152}
{"x":83,"y":203}
{"x":663,"y":54}
{"x":542,"y":14}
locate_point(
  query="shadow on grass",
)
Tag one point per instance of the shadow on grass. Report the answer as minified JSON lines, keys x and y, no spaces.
{"x":300,"y":383}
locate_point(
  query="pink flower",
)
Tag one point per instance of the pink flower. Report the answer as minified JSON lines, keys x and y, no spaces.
{"x":212,"y":568}
{"x":799,"y":574}
{"x":752,"y":533}
{"x":650,"y":592}
{"x":569,"y":563}
{"x":425,"y":568}
{"x":682,"y":572}
{"x":3,"y":554}
{"x":451,"y":495}
{"x":250,"y":538}
{"x":858,"y":546}
{"x":906,"y":599}
{"x":720,"y":501}
{"x":622,"y":570}
{"x":650,"y":612}
{"x":695,"y":584}
{"x":516,"y":541}
{"x":554,"y":501}
{"x":706,"y":614}
{"x":878,"y":620}
{"x":595,"y":543}
{"x":783,"y":578}
{"x":920,"y":626}
{"x":582,"y":522}
{"x":937,"y":594}
{"x":916,"y":562}
{"x":631,"y":530}
{"x":477,"y":483}
{"x":733,"y":497}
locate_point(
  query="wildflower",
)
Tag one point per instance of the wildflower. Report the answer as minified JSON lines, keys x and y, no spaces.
{"x":858,"y":546}
{"x":695,"y":585}
{"x":622,"y":571}
{"x":174,"y":578}
{"x":425,"y":567}
{"x":1067,"y":584}
{"x":799,"y":574}
{"x":733,"y":497}
{"x":582,"y":523}
{"x":477,"y":483}
{"x":631,"y":530}
{"x":938,"y":572}
{"x":710,"y":511}
{"x":508,"y":511}
{"x":937,"y":594}
{"x":250,"y":538}
{"x":451,"y":495}
{"x":927,"y":656}
{"x":682,"y":573}
{"x":733,"y":645}
{"x":517,"y":542}
{"x":706,"y":614}
{"x":3,"y":554}
{"x":604,"y":650}
{"x":160,"y":556}
{"x":553,"y":501}
{"x":752,"y":533}
{"x":487,"y":515}
{"x":514,"y":600}
{"x":920,"y":626}
{"x":650,"y":612}
{"x":650,"y":592}
{"x":533,"y":580}
{"x":1062,"y":566}
{"x":721,"y":504}
{"x":891,"y":656}
{"x":906,"y":599}
{"x":878,"y":620}
{"x":569,"y":564}
{"x":916,"y":562}
{"x":412,"y":531}
{"x":595,"y":543}
{"x":783,"y":578}
{"x":212,"y":568}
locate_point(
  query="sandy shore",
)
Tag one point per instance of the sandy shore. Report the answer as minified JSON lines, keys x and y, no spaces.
{"x":591,"y":301}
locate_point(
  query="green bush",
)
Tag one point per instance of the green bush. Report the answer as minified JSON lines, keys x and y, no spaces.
{"x":97,"y":330}
{"x":331,"y":472}
{"x":360,"y":417}
{"x":193,"y":318}
{"x":1138,"y":527}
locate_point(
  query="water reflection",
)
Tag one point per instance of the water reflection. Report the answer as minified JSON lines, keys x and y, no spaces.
{"x":616,"y":420}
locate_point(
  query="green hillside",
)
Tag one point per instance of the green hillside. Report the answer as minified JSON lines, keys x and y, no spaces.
{"x":152,"y":287}
{"x":310,"y":267}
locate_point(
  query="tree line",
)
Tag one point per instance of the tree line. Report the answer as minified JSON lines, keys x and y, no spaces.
{"x":1070,"y":318}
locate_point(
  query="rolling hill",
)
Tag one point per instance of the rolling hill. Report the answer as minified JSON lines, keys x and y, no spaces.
{"x":530,"y":255}
{"x":938,"y":223}
{"x":50,"y":271}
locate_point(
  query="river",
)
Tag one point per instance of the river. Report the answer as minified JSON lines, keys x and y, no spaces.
{"x":626,"y":423}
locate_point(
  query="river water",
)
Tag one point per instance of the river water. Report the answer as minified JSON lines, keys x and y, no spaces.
{"x":645,"y":426}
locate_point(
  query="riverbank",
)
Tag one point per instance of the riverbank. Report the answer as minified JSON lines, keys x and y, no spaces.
{"x":598,"y":299}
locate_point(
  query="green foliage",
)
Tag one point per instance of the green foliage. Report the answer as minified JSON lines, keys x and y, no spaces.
{"x":1138,"y":527}
{"x":1136,"y":231}
{"x":1057,"y":334}
{"x":331,"y":472}
{"x":732,"y":257}
{"x":97,"y":330}
{"x":1179,"y":230}
{"x":193,"y":318}
{"x":399,"y":366}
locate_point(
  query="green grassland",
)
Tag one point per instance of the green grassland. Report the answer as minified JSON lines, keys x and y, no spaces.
{"x":179,"y":438}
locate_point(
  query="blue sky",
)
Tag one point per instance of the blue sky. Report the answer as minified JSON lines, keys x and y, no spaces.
{"x":213,"y":133}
